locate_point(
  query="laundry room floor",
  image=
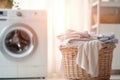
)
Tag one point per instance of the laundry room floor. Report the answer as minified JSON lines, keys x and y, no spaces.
{"x":113,"y":77}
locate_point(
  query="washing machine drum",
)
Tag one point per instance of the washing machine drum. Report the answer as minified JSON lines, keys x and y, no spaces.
{"x":18,"y":40}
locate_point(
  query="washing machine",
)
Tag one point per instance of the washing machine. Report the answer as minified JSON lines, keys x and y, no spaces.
{"x":23,"y":44}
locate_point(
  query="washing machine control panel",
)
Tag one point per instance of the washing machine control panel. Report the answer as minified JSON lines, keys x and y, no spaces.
{"x":19,"y":14}
{"x":3,"y":13}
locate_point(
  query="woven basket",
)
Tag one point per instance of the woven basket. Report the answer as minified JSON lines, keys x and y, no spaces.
{"x":107,"y":18}
{"x":73,"y":72}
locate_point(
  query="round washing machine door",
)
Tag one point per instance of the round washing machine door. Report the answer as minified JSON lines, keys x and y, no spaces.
{"x":18,"y":40}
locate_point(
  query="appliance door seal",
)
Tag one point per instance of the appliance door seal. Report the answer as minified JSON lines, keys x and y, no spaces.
{"x":18,"y":40}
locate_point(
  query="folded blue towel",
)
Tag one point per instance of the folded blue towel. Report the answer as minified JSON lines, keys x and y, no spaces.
{"x":111,"y":41}
{"x":108,"y":38}
{"x":103,"y":39}
{"x":108,"y":35}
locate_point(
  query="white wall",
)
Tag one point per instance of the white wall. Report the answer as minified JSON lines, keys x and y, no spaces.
{"x":116,"y":53}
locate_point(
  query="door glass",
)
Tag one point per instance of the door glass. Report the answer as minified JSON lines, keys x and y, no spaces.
{"x":17,"y":41}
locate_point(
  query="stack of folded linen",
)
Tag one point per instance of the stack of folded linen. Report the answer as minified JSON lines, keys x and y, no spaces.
{"x":72,"y":36}
{"x":108,"y":38}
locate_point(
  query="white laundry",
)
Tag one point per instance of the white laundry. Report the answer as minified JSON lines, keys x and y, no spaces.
{"x":87,"y":57}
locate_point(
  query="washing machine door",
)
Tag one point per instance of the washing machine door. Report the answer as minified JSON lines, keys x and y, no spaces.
{"x":18,"y":40}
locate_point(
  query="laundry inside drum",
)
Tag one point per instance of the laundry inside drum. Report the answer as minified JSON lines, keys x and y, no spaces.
{"x":17,"y":41}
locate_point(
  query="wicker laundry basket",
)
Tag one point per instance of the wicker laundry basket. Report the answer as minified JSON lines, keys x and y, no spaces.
{"x":73,"y":72}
